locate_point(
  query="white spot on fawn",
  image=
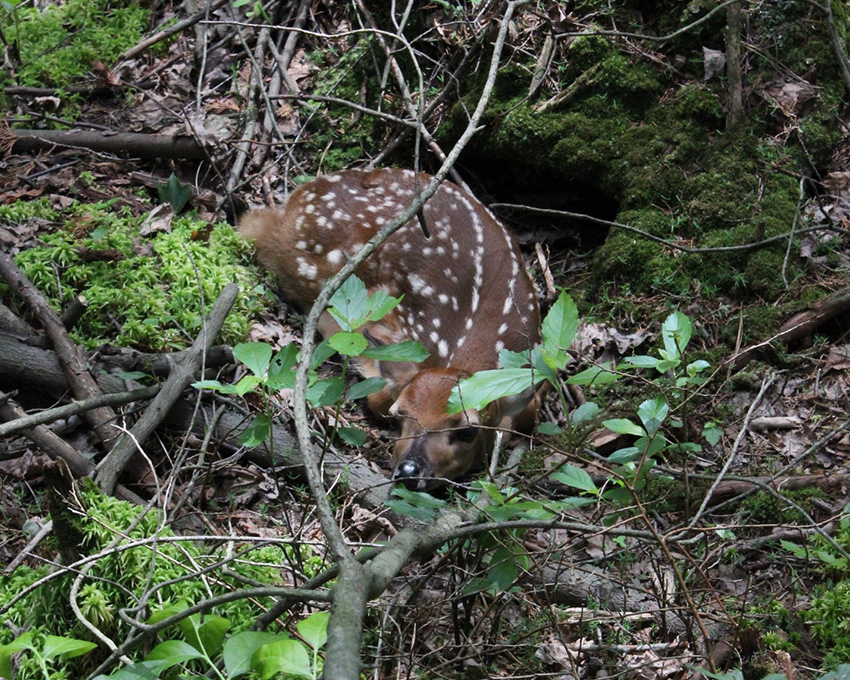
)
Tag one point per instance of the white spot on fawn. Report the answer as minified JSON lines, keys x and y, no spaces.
{"x":335,"y":257}
{"x":443,"y":348}
{"x":305,"y":269}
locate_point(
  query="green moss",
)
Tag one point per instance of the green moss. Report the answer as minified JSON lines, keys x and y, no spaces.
{"x":145,"y":292}
{"x":765,"y":508}
{"x":58,"y":43}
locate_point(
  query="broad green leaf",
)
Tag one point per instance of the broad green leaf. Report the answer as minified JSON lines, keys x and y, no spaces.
{"x":509,"y":359}
{"x":281,"y":372}
{"x":641,"y":361}
{"x":314,"y":629}
{"x":625,"y":455}
{"x":379,"y":305}
{"x":502,"y":572}
{"x":676,"y":333}
{"x":624,"y":426}
{"x":348,"y":343}
{"x":349,"y":305}
{"x":175,"y":193}
{"x":248,"y":383}
{"x":166,"y":612}
{"x":652,"y":413}
{"x":326,"y":391}
{"x":65,"y":648}
{"x":205,"y":635}
{"x":576,"y":478}
{"x":19,"y":644}
{"x":409,"y":350}
{"x":366,"y":387}
{"x":172,"y":652}
{"x":485,"y":387}
{"x":417,"y":504}
{"x":584,"y":413}
{"x":238,"y":650}
{"x":255,"y":355}
{"x":353,"y":436}
{"x":560,"y":326}
{"x":288,"y":657}
{"x":144,"y":670}
{"x":321,"y":354}
{"x":549,"y":428}
{"x":595,"y":375}
{"x":696,"y":367}
{"x":257,"y":432}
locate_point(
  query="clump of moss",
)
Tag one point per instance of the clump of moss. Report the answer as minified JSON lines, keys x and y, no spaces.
{"x":144,"y":292}
{"x":765,"y":508}
{"x":58,"y":43}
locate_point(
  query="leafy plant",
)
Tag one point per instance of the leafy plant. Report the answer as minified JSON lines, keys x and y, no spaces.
{"x":205,"y":644}
{"x":352,"y":308}
{"x":53,"y":649}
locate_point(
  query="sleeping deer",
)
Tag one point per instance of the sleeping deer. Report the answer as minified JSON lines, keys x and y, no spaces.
{"x":466,"y":296}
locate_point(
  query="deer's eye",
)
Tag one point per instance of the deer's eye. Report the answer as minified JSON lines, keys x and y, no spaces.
{"x":464,"y":434}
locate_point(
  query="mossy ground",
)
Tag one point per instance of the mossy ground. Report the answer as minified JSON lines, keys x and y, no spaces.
{"x":146,"y":292}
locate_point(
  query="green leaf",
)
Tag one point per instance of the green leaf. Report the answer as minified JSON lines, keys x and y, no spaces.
{"x":349,"y":305}
{"x":19,"y":644}
{"x":595,"y":375}
{"x":65,"y":648}
{"x":353,"y":436}
{"x":322,"y":353}
{"x":502,"y":572}
{"x":712,"y":433}
{"x":283,"y":657}
{"x":625,"y":455}
{"x":257,"y":432}
{"x":409,"y":350}
{"x":417,"y":504}
{"x":255,"y":355}
{"x":314,"y":629}
{"x":144,"y":670}
{"x":624,"y":426}
{"x":549,"y":428}
{"x":326,"y":391}
{"x":380,"y":303}
{"x":696,"y":367}
{"x":282,"y":369}
{"x":641,"y":361}
{"x":348,"y":343}
{"x":509,"y":359}
{"x":559,"y":327}
{"x":172,"y":652}
{"x":175,"y":193}
{"x":676,"y":333}
{"x":576,"y":478}
{"x":205,"y":635}
{"x":584,"y":413}
{"x":167,"y":612}
{"x":208,"y":385}
{"x":366,"y":387}
{"x":238,"y":650}
{"x":131,"y":375}
{"x":652,"y":413}
{"x":248,"y":383}
{"x":485,"y":387}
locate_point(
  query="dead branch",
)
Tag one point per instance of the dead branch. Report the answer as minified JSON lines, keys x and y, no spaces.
{"x":122,"y":144}
{"x":39,"y":369}
{"x":181,"y":376}
{"x":799,"y":326}
{"x":57,"y":448}
{"x":74,"y":362}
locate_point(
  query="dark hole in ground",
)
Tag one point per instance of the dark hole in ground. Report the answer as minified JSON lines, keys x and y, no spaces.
{"x":494,"y":182}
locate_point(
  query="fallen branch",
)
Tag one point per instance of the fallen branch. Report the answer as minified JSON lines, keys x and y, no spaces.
{"x":799,"y":326}
{"x":122,"y":144}
{"x":181,"y":376}
{"x":74,"y":363}
{"x":57,"y":448}
{"x":39,"y":369}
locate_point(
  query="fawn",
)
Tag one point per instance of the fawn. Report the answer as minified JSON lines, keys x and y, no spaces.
{"x":467,"y":296}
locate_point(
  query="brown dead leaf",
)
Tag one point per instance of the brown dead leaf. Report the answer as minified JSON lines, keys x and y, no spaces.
{"x":158,"y":219}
